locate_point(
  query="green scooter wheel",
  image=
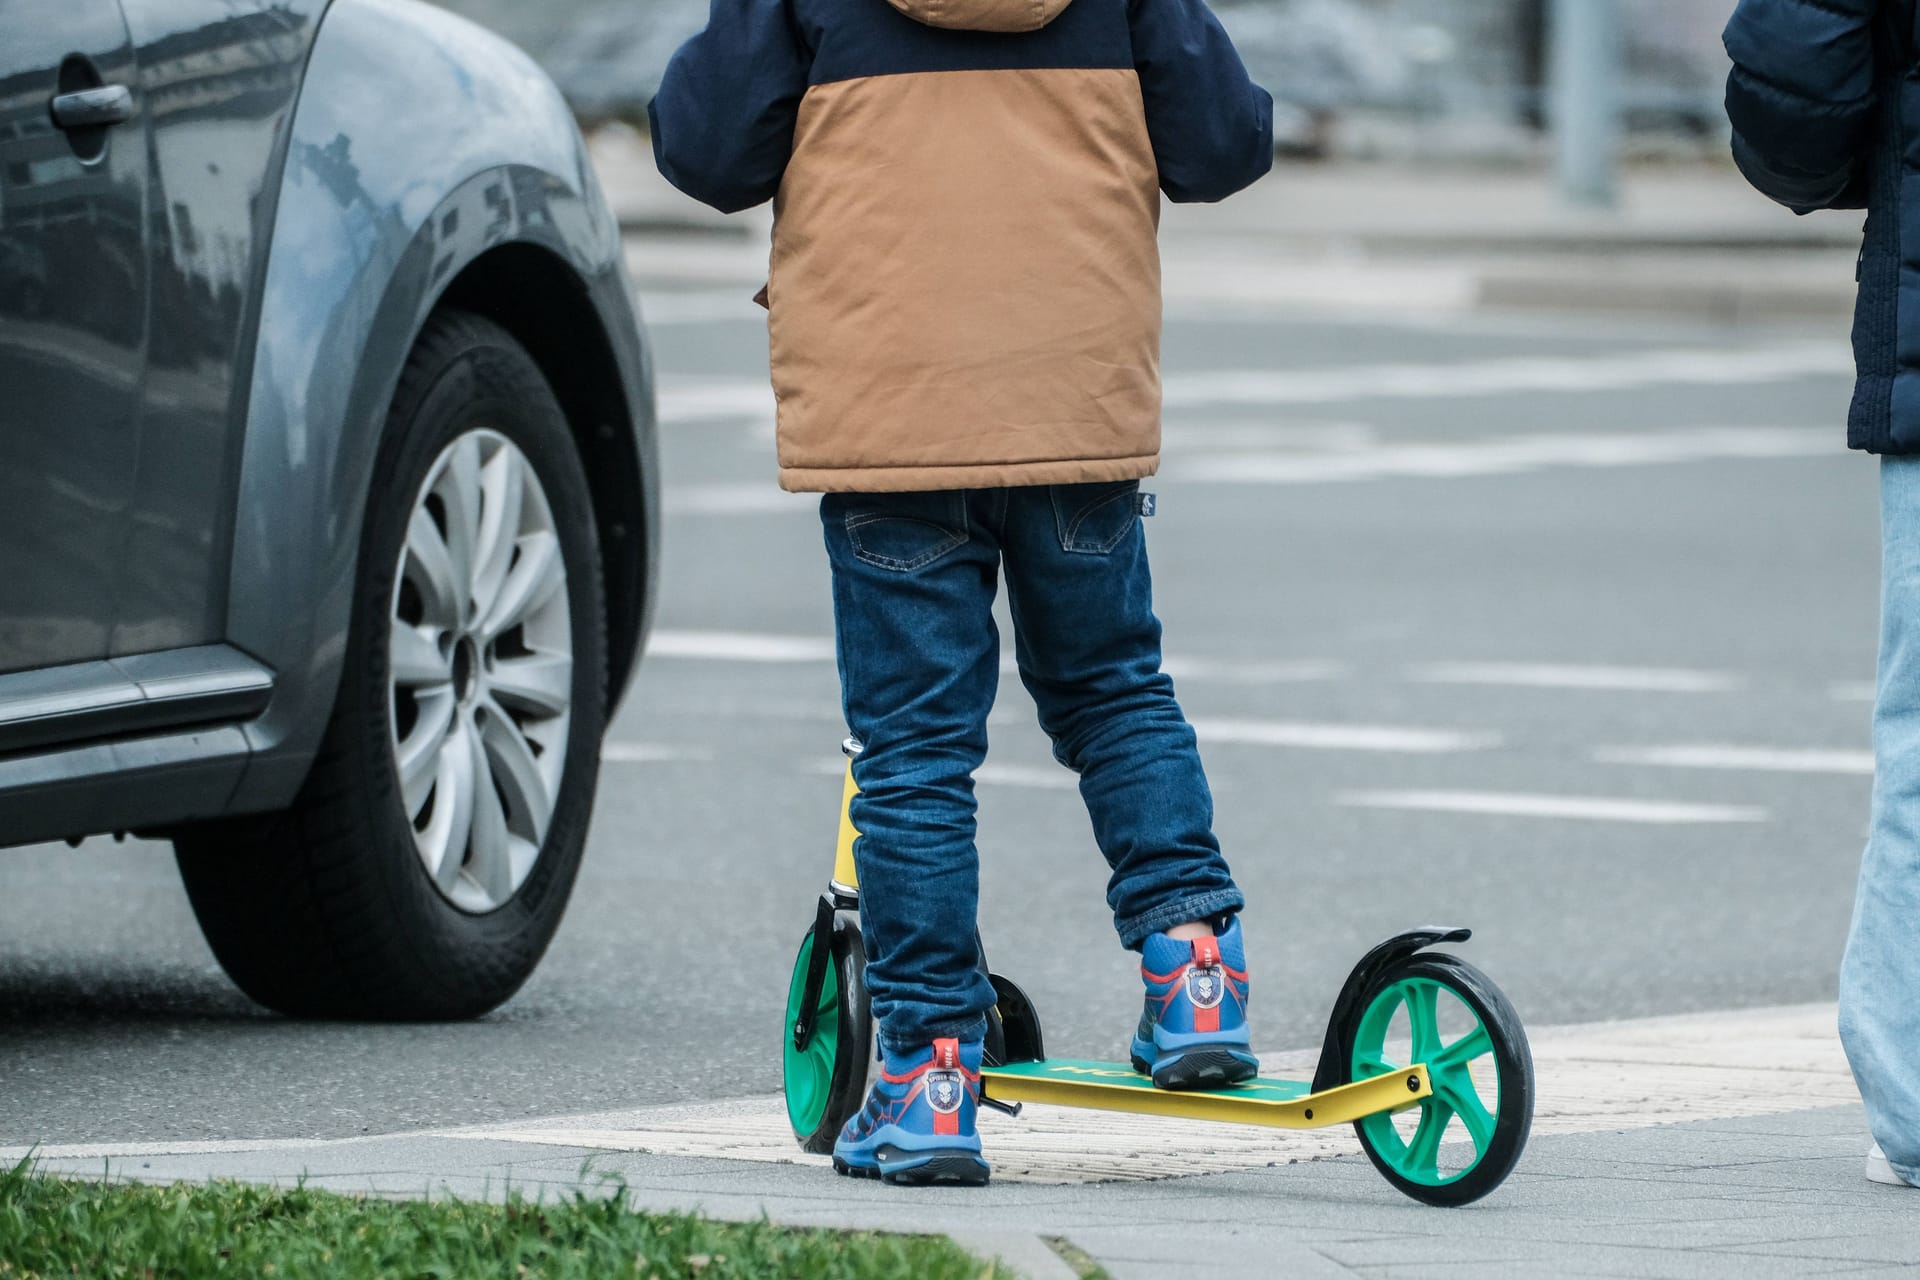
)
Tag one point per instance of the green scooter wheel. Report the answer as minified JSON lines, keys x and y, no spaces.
{"x":1460,"y":1143}
{"x":825,"y":1079}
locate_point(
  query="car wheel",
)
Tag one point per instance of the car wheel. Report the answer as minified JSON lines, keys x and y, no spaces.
{"x":425,"y":864}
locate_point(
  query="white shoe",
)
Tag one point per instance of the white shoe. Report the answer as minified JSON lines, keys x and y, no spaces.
{"x":1878,"y":1170}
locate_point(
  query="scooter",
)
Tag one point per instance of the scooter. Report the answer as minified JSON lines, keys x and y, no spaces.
{"x":1423,"y":1055}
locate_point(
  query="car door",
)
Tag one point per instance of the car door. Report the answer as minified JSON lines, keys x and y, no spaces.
{"x":73,"y":323}
{"x":217,"y":83}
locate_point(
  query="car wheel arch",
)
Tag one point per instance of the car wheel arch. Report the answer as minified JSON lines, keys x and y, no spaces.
{"x":536,"y":296}
{"x":562,"y":304}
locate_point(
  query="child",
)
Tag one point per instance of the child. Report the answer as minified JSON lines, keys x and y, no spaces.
{"x":965,"y":322}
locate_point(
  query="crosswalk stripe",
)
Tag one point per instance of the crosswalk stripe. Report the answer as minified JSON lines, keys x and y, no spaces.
{"x":1508,"y":455}
{"x":1549,"y":675}
{"x":1756,"y":759}
{"x":689,"y":401}
{"x":1613,"y":372}
{"x":765,"y":647}
{"x":1528,"y":805}
{"x":614,"y":751}
{"x":1341,"y":737}
{"x":739,"y":646}
{"x":1016,"y":775}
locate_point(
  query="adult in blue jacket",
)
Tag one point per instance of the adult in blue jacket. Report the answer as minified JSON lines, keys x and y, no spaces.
{"x":1826,"y":116}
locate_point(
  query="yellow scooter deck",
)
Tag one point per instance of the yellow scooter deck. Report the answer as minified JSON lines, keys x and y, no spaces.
{"x":1279,"y":1104}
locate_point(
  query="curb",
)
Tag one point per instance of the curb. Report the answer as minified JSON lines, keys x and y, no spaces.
{"x":1029,"y":1255}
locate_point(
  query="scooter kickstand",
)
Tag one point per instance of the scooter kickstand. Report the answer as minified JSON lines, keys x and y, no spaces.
{"x":1004,"y":1108}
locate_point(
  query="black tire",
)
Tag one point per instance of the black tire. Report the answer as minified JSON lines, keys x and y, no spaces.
{"x":853,"y":1049}
{"x":325,"y":909}
{"x":1513,"y":1061}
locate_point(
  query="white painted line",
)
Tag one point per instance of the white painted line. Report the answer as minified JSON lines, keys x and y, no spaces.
{"x":684,"y":401}
{"x":614,"y":752}
{"x":1755,"y":759}
{"x":1299,"y":671}
{"x":1017,"y":775}
{"x":1526,"y":805}
{"x":705,"y":306}
{"x":721,"y":399}
{"x":995,"y":775}
{"x":1543,"y":675}
{"x":754,"y":646}
{"x":1204,"y":287}
{"x":1506,"y":456}
{"x":738,"y":646}
{"x":1320,"y":437}
{"x":750,"y":499}
{"x":1614,"y":372}
{"x":1853,"y":691}
{"x":1341,"y":737}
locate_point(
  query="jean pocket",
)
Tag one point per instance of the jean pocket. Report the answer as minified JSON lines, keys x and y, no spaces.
{"x":905,"y":531}
{"x":1093,"y":518}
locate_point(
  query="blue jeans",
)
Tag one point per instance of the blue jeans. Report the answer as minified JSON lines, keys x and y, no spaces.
{"x":1880,"y":976}
{"x":914,"y":579}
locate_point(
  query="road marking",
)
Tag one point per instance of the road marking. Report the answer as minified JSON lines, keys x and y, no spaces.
{"x":760,"y":647}
{"x":1613,"y":372}
{"x":616,"y":752}
{"x":1527,"y":805}
{"x":1756,"y":759}
{"x":748,"y":499}
{"x":738,"y":646}
{"x":1017,"y":775}
{"x":1603,"y":1077}
{"x":703,"y":306}
{"x":1320,"y":437}
{"x":1506,"y":456}
{"x":1297,"y":671}
{"x":1341,"y":737}
{"x":996,"y":775}
{"x":715,"y":399}
{"x":700,"y":400}
{"x":1546,"y":675}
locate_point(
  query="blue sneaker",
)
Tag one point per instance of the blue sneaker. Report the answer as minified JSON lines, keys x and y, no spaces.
{"x":1193,"y":1033}
{"x":918,"y":1124}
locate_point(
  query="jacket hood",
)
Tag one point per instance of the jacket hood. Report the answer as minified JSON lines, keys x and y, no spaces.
{"x":983,"y":15}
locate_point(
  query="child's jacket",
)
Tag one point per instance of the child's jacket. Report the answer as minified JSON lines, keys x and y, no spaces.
{"x":965,"y":284}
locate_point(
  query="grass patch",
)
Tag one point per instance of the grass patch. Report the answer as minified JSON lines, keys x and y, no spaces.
{"x":114,"y":1231}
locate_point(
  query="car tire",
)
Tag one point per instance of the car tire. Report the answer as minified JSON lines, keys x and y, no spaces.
{"x":330,"y":908}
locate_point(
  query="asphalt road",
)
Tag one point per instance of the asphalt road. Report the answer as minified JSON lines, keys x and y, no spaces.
{"x":1558,"y":628}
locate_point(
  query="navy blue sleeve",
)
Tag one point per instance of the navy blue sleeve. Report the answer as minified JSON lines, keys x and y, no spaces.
{"x":1211,"y":125}
{"x":724,"y":117}
{"x":1801,"y":97}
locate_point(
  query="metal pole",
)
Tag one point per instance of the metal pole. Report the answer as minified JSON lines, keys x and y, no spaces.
{"x":1587,"y":64}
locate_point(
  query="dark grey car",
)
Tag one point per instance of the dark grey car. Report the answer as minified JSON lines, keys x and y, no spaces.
{"x":327,"y":482}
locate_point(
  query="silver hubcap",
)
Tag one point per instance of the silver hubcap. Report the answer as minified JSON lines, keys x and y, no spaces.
{"x":481,"y":670}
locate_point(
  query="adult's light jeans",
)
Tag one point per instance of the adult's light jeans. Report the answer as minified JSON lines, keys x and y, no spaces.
{"x":1880,"y":976}
{"x":914,"y":577}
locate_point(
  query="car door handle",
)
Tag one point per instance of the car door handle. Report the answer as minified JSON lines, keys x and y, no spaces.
{"x":109,"y":104}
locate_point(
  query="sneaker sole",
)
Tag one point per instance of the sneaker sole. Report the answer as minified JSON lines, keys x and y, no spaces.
{"x":956,"y":1168}
{"x":1199,"y":1069}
